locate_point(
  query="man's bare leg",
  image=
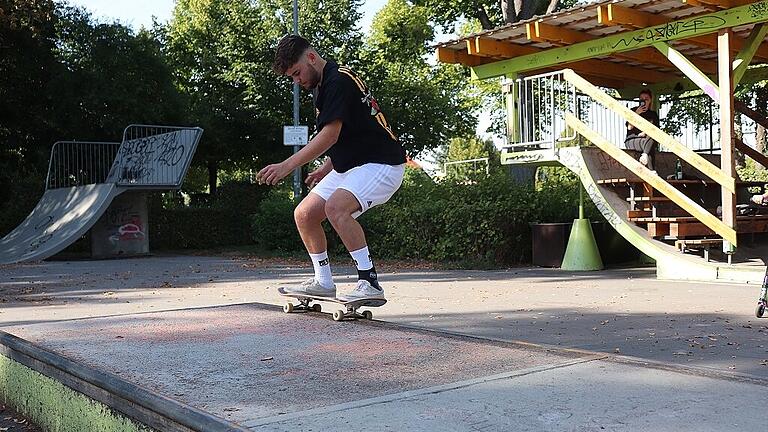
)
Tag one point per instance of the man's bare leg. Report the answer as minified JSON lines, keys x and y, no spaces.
{"x":339,"y":209}
{"x":309,"y":216}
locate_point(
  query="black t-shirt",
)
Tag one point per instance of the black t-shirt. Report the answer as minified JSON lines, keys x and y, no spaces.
{"x":365,"y":135}
{"x":650,"y":115}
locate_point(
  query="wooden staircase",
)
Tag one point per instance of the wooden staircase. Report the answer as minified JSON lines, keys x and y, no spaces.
{"x":665,"y":221}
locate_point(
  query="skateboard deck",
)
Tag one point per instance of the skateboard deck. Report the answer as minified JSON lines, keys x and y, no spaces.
{"x":349,"y":311}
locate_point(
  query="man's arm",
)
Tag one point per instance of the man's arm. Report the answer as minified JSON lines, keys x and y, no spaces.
{"x":271,"y":174}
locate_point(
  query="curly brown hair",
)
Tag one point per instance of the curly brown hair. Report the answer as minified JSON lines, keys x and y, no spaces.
{"x":289,"y":50}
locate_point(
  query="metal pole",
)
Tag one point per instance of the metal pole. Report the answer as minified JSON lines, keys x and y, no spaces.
{"x":297,"y":171}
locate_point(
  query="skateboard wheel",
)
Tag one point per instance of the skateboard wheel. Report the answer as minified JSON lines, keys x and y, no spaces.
{"x":760,"y":310}
{"x":316,"y":307}
{"x":338,"y":315}
{"x":288,"y":307}
{"x":367,"y":315}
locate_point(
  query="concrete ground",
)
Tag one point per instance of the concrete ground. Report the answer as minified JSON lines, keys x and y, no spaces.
{"x":654,"y":355}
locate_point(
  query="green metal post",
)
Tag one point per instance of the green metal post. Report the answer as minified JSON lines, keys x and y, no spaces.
{"x":582,"y":253}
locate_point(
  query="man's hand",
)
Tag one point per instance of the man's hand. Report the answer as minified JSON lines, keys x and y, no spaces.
{"x":315,"y":176}
{"x":272,"y":174}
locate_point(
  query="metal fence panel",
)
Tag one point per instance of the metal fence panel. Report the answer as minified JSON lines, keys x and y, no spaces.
{"x":154,"y":156}
{"x":79,"y":163}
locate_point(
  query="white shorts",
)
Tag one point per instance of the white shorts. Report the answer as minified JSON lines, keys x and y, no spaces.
{"x":372,"y":184}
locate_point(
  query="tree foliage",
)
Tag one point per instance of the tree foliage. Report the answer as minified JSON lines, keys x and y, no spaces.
{"x":427,"y":103}
{"x":222,"y":53}
{"x":489,"y":13}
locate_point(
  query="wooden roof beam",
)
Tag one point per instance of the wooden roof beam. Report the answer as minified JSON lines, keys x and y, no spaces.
{"x":613,"y":14}
{"x":627,"y":41}
{"x":608,"y":69}
{"x":488,"y":47}
{"x":717,"y":4}
{"x":447,"y":55}
{"x":542,"y":32}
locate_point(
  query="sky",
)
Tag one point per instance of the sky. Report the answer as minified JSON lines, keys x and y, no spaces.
{"x":137,"y":13}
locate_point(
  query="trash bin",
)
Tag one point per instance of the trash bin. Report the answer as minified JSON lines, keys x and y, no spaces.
{"x":549,"y":243}
{"x":551,"y":239}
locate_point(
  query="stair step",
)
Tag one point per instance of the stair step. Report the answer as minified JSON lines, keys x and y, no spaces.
{"x":663,"y":219}
{"x":615,"y":181}
{"x":649,"y":198}
{"x":689,"y":219}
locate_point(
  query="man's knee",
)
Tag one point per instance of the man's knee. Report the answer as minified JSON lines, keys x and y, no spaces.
{"x":340,"y":206}
{"x":334,"y":211}
{"x":308,"y":212}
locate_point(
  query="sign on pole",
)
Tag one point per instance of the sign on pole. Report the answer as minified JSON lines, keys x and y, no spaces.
{"x":295,"y":135}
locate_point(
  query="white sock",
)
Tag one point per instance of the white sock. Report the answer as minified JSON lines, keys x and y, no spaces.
{"x":322,"y":269}
{"x":362,"y":259}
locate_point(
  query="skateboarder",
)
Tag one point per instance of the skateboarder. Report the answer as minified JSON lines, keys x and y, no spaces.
{"x":363,"y":168}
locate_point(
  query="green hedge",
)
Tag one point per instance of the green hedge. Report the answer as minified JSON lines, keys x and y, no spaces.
{"x":223,"y":223}
{"x":481,"y":221}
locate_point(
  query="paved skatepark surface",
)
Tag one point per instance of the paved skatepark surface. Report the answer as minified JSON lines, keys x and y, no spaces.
{"x":246,"y":362}
{"x":613,"y":350}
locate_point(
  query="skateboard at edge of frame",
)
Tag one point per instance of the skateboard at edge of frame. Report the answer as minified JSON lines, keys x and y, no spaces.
{"x":349,"y":311}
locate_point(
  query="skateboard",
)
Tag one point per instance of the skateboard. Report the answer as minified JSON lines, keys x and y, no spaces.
{"x":349,"y":311}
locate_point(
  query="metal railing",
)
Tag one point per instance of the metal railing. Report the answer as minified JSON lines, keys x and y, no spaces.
{"x":536,"y":108}
{"x":154,"y":156}
{"x":537,"y":111}
{"x":467,"y":170}
{"x":79,"y":163}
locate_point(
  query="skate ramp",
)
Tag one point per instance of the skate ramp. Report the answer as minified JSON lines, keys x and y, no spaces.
{"x":591,"y":164}
{"x":61,"y":217}
{"x":84,"y":177}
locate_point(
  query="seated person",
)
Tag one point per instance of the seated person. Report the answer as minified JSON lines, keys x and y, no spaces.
{"x":638,"y":140}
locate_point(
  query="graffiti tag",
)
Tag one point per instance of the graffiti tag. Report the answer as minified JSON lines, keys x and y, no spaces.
{"x":665,"y":32}
{"x":758,"y":10}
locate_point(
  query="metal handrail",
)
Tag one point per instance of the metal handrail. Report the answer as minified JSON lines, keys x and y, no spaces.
{"x":485,"y":159}
{"x":539,"y":106}
{"x":539,"y":102}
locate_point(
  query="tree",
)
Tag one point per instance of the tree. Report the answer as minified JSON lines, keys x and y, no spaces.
{"x":112,"y":78}
{"x":27,"y":68}
{"x":489,"y":13}
{"x":222,"y":52}
{"x":426,"y":104}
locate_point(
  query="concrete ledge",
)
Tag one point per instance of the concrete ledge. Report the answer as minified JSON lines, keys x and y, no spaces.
{"x":61,"y":395}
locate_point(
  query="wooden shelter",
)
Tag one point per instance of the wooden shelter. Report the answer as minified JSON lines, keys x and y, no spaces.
{"x":670,"y":46}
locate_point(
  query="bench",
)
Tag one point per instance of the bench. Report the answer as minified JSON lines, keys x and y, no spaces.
{"x":704,"y":244}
